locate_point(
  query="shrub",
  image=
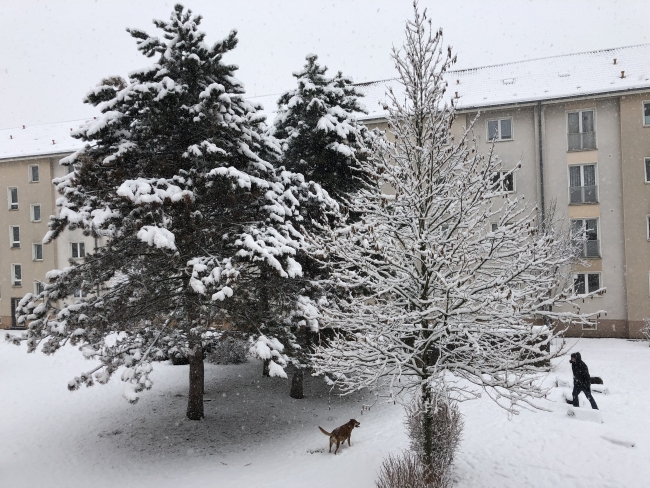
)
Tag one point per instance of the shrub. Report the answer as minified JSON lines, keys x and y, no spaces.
{"x":404,"y":471}
{"x":228,"y":351}
{"x":446,"y":427}
{"x":421,"y":467}
{"x":645,"y":330}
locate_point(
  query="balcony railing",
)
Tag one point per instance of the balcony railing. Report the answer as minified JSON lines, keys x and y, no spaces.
{"x":583,"y":194}
{"x":587,"y":249}
{"x":582,"y":141}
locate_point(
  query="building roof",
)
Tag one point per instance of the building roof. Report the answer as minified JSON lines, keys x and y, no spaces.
{"x":570,"y":75}
{"x":39,"y":140}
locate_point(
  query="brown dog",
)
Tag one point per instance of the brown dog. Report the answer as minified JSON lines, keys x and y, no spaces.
{"x":341,"y":434}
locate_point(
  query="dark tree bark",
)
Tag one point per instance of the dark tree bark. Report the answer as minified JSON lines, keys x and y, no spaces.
{"x":265,"y":368}
{"x":197,"y":376}
{"x":297,"y":384}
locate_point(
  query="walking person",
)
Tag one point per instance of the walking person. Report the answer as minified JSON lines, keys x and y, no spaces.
{"x":581,"y":380}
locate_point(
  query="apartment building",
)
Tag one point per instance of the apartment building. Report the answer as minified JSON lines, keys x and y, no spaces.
{"x":29,"y":160}
{"x":579,"y":125}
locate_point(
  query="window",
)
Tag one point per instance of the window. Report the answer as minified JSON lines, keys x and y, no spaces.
{"x":584,"y":283}
{"x":582,"y":184}
{"x":584,"y":234}
{"x":499,"y":130}
{"x":647,"y":170}
{"x":646,"y":113}
{"x":504,"y":181}
{"x":592,"y":325}
{"x":33,"y":173}
{"x":14,"y":235}
{"x":16,"y":275}
{"x":581,"y":130}
{"x":38,"y":287}
{"x":80,"y":294}
{"x":494,"y":226}
{"x":77,"y":250}
{"x":37,"y":252}
{"x":13,"y":198}
{"x":35,"y":211}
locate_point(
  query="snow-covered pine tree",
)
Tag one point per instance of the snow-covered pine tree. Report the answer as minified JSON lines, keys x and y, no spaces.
{"x":445,"y":297}
{"x":318,"y":127}
{"x":321,"y":137}
{"x":178,"y":177}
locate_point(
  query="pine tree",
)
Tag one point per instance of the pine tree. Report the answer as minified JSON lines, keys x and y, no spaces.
{"x":321,"y":137}
{"x":320,"y":133}
{"x":179,"y":177}
{"x":432,"y":292}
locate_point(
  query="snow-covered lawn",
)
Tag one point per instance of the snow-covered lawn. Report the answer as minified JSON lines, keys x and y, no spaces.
{"x":255,"y":435}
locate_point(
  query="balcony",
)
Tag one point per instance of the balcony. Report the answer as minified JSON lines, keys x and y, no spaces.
{"x":587,"y":249}
{"x":583,"y":194}
{"x":582,"y":141}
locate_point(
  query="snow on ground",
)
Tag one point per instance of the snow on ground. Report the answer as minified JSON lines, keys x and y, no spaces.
{"x":254,"y":435}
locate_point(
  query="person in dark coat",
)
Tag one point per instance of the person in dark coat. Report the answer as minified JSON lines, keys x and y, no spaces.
{"x":581,"y":380}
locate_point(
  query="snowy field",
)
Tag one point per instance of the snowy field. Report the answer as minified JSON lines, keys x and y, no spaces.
{"x":254,"y":435}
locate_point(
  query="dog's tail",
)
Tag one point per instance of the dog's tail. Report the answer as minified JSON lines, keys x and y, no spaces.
{"x":324,"y":431}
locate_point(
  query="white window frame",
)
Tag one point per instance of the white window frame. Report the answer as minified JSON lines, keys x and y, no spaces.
{"x":494,"y":226}
{"x":598,"y":234}
{"x":586,"y":273}
{"x":14,"y":283}
{"x":14,"y":244}
{"x":586,"y":327}
{"x":12,"y":205}
{"x":582,"y":181}
{"x":645,"y":172}
{"x":30,"y":175}
{"x":78,"y":256}
{"x":34,"y":258}
{"x":499,"y":138}
{"x":643,"y":104}
{"x":514,"y":181}
{"x":31,"y":212}
{"x":566,"y":131}
{"x":36,"y":286}
{"x":79,"y":293}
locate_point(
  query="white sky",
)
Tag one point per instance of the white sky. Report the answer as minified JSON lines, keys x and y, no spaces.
{"x":52,"y":52}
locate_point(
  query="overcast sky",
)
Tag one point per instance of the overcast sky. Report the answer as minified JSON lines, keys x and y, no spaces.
{"x":52,"y":52}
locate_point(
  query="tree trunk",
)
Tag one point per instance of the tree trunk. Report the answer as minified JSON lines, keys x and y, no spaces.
{"x":297,"y":384}
{"x":265,"y":368}
{"x":427,"y":425}
{"x":197,"y":375}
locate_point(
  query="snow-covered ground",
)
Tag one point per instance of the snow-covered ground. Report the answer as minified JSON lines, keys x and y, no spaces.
{"x":254,"y":435}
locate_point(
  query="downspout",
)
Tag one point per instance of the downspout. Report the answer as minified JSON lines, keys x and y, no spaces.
{"x":541,"y":164}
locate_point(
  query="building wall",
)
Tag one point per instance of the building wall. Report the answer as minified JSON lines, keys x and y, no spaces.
{"x":14,"y":173}
{"x":635,"y":147}
{"x":56,"y":255}
{"x":609,"y":210}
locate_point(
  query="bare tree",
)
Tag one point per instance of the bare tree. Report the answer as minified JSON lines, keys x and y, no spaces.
{"x":430,"y":288}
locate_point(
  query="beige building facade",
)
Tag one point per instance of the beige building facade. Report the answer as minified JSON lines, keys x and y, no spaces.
{"x":578,"y":126}
{"x":29,"y":161}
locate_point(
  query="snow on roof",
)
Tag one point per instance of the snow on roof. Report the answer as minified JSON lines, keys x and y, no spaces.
{"x":570,"y":75}
{"x":39,"y":140}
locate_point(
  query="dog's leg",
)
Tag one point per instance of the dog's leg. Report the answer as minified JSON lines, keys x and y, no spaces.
{"x":349,"y":444}
{"x":331,"y":442}
{"x":337,"y":446}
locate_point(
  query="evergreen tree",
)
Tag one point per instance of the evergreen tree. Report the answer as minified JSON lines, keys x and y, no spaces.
{"x":321,"y":138}
{"x":179,"y":177}
{"x":319,"y":131}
